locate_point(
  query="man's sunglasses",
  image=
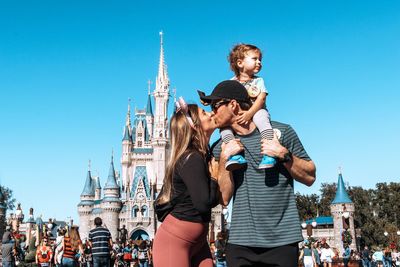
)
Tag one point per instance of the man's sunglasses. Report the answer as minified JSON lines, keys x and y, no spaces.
{"x":216,"y":105}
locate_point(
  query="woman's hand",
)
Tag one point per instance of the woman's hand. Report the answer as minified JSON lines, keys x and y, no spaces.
{"x":213,"y":168}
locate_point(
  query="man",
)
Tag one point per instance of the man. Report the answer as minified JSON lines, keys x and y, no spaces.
{"x":265,"y":226}
{"x":100,"y":241}
{"x":346,"y":255}
{"x":8,"y":250}
{"x":366,"y":257}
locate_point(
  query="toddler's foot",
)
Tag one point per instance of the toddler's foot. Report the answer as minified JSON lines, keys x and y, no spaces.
{"x":235,"y":162}
{"x":267,"y":162}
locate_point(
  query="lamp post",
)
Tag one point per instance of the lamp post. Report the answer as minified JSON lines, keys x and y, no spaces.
{"x":309,"y":227}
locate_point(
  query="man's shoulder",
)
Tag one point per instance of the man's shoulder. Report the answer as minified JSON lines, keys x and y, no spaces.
{"x":99,"y":228}
{"x":279,"y":125}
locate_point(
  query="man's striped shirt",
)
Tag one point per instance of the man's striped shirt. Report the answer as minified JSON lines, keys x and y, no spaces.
{"x":264,"y":212}
{"x":100,"y":238}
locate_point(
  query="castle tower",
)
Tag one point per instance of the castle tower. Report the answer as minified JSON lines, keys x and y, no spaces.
{"x":111,"y":203}
{"x":97,"y":188}
{"x":159,"y":140}
{"x":149,"y":114}
{"x":85,"y":206}
{"x":127,"y":145}
{"x":342,"y":210}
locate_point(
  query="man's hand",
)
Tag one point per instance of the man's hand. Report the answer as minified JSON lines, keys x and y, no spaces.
{"x":233,"y":147}
{"x":301,"y":170}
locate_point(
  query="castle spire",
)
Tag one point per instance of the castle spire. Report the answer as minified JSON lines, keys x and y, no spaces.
{"x":162,"y":78}
{"x":88,"y":188}
{"x":111,"y":180}
{"x":341,"y":193}
{"x":149,"y":108}
{"x":127,"y":129}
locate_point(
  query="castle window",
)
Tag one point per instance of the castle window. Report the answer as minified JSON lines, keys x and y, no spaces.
{"x":135,"y":210}
{"x":145,"y":211}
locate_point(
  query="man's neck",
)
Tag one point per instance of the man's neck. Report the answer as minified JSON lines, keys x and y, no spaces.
{"x":243,"y":129}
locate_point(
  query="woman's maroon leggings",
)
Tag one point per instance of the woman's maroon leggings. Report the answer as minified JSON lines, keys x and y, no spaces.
{"x":181,"y":244}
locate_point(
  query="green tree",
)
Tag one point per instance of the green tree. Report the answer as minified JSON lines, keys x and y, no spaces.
{"x":328,"y":192}
{"x":8,"y":199}
{"x":307,"y":205}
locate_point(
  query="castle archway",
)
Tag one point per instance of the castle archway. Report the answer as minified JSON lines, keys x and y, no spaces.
{"x":140,"y":234}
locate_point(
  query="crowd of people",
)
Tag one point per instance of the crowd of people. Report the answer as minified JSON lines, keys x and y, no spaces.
{"x":66,"y":249}
{"x":320,"y":254}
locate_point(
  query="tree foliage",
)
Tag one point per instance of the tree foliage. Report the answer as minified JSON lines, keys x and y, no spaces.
{"x":8,"y":199}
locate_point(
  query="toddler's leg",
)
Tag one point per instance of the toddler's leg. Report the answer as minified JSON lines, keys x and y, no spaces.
{"x":263,"y":123}
{"x":236,"y":161}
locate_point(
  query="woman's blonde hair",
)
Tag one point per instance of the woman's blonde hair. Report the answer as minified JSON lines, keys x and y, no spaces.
{"x":184,"y":140}
{"x":75,"y":238}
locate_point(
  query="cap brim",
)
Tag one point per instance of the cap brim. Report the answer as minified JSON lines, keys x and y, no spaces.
{"x":207,"y":99}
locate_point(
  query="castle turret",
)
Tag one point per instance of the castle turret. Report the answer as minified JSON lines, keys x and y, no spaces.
{"x":342,"y":210}
{"x":111,"y":203}
{"x":160,"y":127}
{"x":149,"y":115}
{"x":97,"y":188}
{"x":85,"y":206}
{"x":127,"y":145}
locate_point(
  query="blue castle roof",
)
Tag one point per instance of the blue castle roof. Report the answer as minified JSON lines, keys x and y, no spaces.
{"x":341,"y":193}
{"x":88,"y":189}
{"x":111,"y":181}
{"x":149,"y":109}
{"x":127,"y":136}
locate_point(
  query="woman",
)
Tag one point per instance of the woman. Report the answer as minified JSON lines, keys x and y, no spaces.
{"x":72,"y":246}
{"x":327,"y":255}
{"x":181,"y":240}
{"x":307,"y":255}
{"x":44,"y":253}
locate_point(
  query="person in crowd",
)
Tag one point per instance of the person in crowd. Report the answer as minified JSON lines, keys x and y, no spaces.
{"x":181,"y":239}
{"x":316,"y":254}
{"x":396,"y":257}
{"x":143,"y":254}
{"x":306,"y":254}
{"x":8,"y":250}
{"x":44,"y":253}
{"x":264,"y":205}
{"x":213,"y":251}
{"x":220,"y":245}
{"x":327,"y":255}
{"x":377,"y":257}
{"x":87,"y":254}
{"x":366,"y":257}
{"x":58,"y":246}
{"x":100,"y":241}
{"x":346,"y":255}
{"x":127,"y":253}
{"x":387,"y":257}
{"x":123,"y":234}
{"x":72,"y":246}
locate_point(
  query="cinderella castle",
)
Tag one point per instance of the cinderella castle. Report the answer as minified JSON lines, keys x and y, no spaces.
{"x":127,"y":199}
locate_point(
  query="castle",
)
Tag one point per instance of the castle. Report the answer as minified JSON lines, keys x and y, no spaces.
{"x":128,"y":198}
{"x":338,"y":228}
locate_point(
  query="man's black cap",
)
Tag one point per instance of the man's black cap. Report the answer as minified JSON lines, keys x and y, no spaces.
{"x":229,"y":89}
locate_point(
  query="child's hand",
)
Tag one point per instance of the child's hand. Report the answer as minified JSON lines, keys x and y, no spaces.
{"x":244,"y":117}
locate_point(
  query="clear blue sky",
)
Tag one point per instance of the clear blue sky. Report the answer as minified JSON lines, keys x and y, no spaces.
{"x":67,"y":69}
